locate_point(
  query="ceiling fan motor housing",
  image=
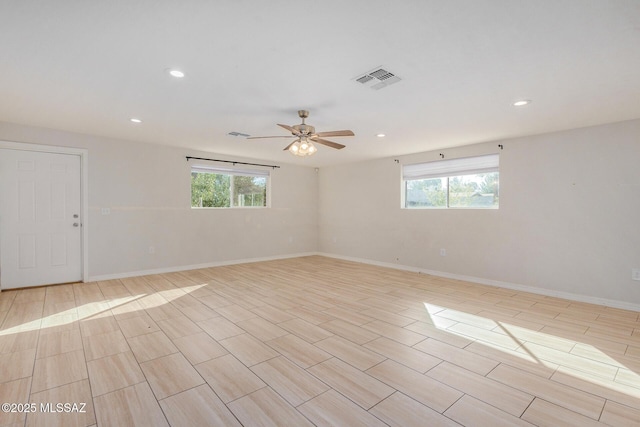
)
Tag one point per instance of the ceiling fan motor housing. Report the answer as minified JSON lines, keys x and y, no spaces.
{"x":305,"y":129}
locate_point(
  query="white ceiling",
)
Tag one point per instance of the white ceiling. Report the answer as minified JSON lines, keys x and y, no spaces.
{"x":89,"y":66}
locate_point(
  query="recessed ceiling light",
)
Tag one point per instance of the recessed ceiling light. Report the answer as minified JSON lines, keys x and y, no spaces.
{"x":176,"y":73}
{"x":381,"y":135}
{"x":134,"y":120}
{"x":522,"y":103}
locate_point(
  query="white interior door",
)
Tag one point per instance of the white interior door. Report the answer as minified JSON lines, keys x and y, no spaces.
{"x":40,"y":218}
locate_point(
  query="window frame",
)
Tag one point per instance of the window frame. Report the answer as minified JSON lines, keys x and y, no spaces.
{"x":447,"y":169}
{"x":231,"y":171}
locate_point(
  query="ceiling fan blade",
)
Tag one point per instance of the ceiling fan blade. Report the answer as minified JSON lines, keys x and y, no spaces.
{"x":294,"y":141}
{"x":279,"y":136}
{"x":336,"y":133}
{"x":328,"y":143}
{"x":290,"y":129}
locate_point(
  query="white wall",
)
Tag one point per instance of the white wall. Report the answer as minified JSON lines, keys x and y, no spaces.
{"x":568,"y":222}
{"x":147,"y":189}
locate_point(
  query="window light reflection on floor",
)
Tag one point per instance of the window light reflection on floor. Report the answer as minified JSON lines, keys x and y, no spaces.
{"x":561,"y":356}
{"x":93,"y":310}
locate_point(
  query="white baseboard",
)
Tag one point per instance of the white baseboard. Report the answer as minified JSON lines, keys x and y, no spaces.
{"x":523,"y":288}
{"x":194,"y":266}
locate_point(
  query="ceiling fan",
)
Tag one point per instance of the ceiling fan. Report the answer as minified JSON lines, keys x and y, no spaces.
{"x":305,"y":136}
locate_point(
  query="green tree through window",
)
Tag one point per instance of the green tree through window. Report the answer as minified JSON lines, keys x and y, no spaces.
{"x":480,"y":190}
{"x":223,"y":190}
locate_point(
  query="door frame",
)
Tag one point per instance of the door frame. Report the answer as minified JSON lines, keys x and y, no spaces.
{"x":84,"y":191}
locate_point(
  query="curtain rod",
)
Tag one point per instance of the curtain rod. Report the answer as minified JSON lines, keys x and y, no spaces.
{"x":230,"y":161}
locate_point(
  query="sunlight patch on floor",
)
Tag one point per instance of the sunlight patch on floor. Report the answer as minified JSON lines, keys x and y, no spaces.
{"x":578,"y":359}
{"x":121,"y":305}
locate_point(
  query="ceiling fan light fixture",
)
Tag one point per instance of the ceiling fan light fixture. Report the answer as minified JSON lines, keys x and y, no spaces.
{"x":303,"y":148}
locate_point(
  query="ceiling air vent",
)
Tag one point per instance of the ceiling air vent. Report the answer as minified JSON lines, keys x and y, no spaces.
{"x":378,"y":78}
{"x":364,"y":79}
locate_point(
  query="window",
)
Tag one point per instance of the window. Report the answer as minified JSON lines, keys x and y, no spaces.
{"x":470,"y":182}
{"x":228,"y":188}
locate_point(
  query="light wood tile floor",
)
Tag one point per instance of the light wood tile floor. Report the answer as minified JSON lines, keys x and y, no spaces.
{"x":313,"y":341}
